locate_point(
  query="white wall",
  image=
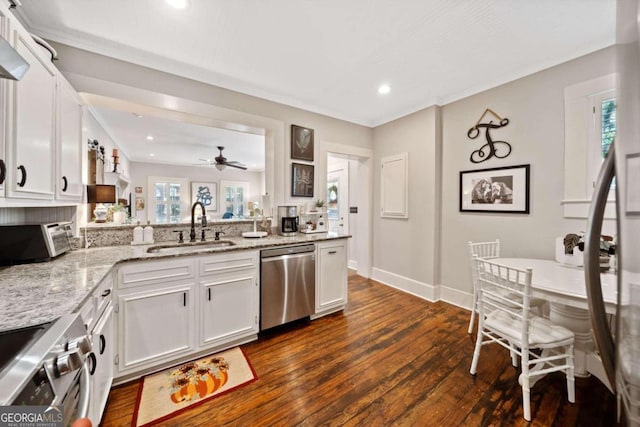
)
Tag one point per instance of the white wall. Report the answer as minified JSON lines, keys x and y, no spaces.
{"x":85,"y":71}
{"x":140,"y":172}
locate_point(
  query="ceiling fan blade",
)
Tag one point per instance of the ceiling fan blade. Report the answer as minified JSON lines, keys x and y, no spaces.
{"x":238,"y":166}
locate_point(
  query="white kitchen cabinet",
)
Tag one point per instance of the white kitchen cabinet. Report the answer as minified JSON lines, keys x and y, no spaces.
{"x":229,"y":308}
{"x":103,"y":339}
{"x":331,"y":276}
{"x":162,"y":317}
{"x":155,"y":325}
{"x":4,"y":30}
{"x":69,"y":143}
{"x":229,"y":297}
{"x":30,"y":124}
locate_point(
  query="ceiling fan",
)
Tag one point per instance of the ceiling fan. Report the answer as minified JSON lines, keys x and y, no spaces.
{"x":221,"y":162}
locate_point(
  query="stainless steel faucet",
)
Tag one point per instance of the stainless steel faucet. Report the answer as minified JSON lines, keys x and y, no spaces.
{"x":192,"y":234}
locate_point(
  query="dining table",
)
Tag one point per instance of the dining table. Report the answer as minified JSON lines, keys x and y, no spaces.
{"x":563,"y":286}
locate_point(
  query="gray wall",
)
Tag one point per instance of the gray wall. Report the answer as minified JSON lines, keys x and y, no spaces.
{"x":535,"y":108}
{"x":406,"y":250}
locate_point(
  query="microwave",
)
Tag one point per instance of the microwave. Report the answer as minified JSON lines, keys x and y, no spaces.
{"x":24,"y":243}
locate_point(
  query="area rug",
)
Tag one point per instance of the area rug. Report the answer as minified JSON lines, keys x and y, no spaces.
{"x":167,"y":393}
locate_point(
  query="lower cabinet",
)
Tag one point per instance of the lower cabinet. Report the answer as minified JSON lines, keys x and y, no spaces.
{"x":223,"y":316}
{"x":155,"y":325}
{"x":199,"y":304}
{"x":102,"y":337}
{"x":331,"y":276}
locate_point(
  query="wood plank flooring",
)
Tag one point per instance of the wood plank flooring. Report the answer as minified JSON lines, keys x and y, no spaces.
{"x":390,"y":359}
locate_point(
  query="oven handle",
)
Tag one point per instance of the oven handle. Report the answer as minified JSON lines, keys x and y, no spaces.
{"x":85,"y":392}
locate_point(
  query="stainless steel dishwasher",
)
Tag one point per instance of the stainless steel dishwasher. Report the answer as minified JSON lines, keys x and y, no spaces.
{"x":287,"y":284}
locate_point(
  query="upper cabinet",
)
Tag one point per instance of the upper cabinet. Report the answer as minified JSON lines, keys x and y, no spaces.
{"x":41,"y":121}
{"x":69,"y":143}
{"x":30,"y":125}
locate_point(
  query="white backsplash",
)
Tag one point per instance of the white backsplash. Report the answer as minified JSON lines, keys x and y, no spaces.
{"x":37,"y":215}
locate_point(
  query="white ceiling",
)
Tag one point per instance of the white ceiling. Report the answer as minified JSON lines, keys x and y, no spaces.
{"x":329,"y":56}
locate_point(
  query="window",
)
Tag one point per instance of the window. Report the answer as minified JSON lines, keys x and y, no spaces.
{"x":602,"y":134}
{"x":168,"y":201}
{"x":235,"y":196}
{"x":590,"y":127}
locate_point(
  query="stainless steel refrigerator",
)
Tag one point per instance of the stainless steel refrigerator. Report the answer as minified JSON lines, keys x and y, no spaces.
{"x":619,"y":343}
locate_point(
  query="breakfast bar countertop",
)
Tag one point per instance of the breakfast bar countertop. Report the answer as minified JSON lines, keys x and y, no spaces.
{"x":32,"y":294}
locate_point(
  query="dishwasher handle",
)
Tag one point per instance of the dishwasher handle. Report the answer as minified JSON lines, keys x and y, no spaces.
{"x":287,"y":250}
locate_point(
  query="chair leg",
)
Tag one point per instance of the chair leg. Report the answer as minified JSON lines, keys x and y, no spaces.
{"x":571,"y":382}
{"x":526,"y":397}
{"x":476,"y":351}
{"x":474,"y":307}
{"x":514,"y":356}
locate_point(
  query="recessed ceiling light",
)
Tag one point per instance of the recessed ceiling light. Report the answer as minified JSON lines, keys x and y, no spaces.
{"x":151,"y":155}
{"x":384,"y":89}
{"x":178,"y":4}
{"x":137,"y":115}
{"x":149,"y":138}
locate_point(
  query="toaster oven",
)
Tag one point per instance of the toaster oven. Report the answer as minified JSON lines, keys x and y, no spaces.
{"x":23,"y":243}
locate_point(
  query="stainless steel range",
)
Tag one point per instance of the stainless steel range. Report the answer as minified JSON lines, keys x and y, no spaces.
{"x":48,"y":365}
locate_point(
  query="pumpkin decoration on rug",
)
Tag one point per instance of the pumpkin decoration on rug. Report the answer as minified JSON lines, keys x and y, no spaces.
{"x":195,"y":380}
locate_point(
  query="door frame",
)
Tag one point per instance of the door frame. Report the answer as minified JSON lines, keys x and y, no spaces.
{"x":363,"y":200}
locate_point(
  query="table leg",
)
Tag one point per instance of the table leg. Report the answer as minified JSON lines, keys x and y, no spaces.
{"x":576,"y":320}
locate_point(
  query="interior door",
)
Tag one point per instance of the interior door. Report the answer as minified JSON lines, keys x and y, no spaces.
{"x":338,"y":200}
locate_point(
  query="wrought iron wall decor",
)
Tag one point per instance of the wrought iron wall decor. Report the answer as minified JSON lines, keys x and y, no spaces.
{"x":499,"y":149}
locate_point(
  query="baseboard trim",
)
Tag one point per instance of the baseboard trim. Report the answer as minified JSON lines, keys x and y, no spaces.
{"x":423,"y":290}
{"x":352,"y":264}
{"x":405,"y":284}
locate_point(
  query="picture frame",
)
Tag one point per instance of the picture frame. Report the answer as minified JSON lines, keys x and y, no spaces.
{"x":139,"y":203}
{"x":205,"y":193}
{"x":498,"y":190}
{"x":301,"y":180}
{"x":301,"y":143}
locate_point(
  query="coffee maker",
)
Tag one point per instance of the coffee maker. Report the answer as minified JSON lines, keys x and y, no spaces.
{"x":287,"y":220}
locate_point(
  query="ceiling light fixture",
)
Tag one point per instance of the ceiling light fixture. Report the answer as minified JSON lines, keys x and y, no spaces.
{"x":178,"y":4}
{"x":220,"y":166}
{"x":149,"y":138}
{"x":384,"y":89}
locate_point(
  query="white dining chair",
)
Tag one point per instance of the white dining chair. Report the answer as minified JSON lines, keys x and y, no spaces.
{"x":505,"y":318}
{"x":482,"y":250}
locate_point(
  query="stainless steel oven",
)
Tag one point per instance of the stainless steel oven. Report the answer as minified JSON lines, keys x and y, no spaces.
{"x":48,"y":365}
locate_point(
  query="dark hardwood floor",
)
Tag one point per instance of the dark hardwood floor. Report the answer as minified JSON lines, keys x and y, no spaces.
{"x":391,"y":359}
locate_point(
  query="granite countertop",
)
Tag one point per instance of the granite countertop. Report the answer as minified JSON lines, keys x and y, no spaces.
{"x":32,"y":294}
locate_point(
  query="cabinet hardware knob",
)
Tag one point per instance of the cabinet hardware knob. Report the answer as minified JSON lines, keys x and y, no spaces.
{"x":23,"y":180}
{"x":209,"y":289}
{"x":65,"y":185}
{"x":103,"y":343}
{"x":106,"y":292}
{"x":3,"y":171}
{"x":332,"y":252}
{"x":184,"y":299}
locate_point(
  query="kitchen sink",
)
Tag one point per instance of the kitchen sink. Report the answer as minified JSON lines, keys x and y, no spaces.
{"x":190,"y":247}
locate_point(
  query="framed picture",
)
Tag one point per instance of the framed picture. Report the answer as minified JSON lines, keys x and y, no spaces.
{"x":503,"y":190}
{"x":205,"y":193}
{"x":139,"y":203}
{"x":301,"y":143}
{"x":138,"y":190}
{"x":301,"y":180}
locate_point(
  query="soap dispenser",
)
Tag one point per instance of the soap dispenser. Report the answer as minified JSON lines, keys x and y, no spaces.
{"x":148,"y":233}
{"x":138,"y":235}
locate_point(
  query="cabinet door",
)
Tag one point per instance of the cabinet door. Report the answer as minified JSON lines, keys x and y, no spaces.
{"x":104,"y":350}
{"x":69,"y":143}
{"x":31,"y":128}
{"x":155,"y":325}
{"x":331,"y":284}
{"x":4,"y":30}
{"x":229,"y":307}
